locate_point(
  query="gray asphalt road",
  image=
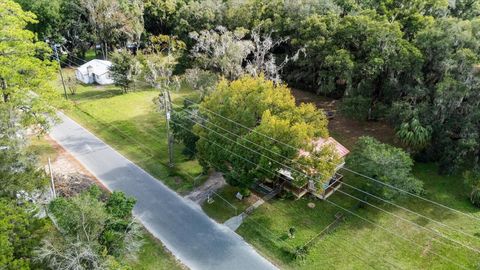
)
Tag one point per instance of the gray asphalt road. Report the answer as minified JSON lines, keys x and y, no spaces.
{"x":195,"y":239}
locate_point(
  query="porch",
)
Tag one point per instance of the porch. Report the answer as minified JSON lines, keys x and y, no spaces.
{"x":329,"y":188}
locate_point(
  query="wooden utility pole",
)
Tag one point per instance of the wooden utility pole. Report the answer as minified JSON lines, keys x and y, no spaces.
{"x":52,"y":183}
{"x":60,"y":69}
{"x":167,"y":105}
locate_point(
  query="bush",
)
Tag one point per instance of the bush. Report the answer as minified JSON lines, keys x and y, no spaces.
{"x":355,"y":107}
{"x":475,"y":197}
{"x":385,"y":163}
{"x":245,"y":192}
{"x":300,"y":252}
{"x":472,"y":179}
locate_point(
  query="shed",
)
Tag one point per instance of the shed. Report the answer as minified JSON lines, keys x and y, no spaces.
{"x":95,"y":71}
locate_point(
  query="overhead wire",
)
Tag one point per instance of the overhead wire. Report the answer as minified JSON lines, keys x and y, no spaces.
{"x":344,"y":167}
{"x":400,"y":236}
{"x":351,"y":171}
{"x":406,"y":220}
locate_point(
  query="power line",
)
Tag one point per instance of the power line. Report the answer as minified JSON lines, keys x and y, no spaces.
{"x":411,"y":211}
{"x":340,"y":191}
{"x":248,"y":148}
{"x":291,"y":160}
{"x":406,"y":220}
{"x":273,"y":234}
{"x":284,"y":241}
{"x":411,"y":222}
{"x":345,"y":183}
{"x":327,"y":161}
{"x":400,"y":236}
{"x":238,"y":136}
{"x":344,"y":168}
{"x":411,"y":194}
{"x":263,"y":147}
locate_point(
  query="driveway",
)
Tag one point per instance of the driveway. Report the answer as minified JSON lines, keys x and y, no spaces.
{"x":195,"y":239}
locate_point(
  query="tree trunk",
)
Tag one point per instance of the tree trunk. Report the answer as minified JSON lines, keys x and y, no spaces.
{"x":4,"y":88}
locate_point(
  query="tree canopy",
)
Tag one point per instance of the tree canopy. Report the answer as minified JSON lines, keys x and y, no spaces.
{"x":414,"y":63}
{"x":25,"y":69}
{"x":250,"y":128}
{"x":92,"y":233}
{"x":385,"y":163}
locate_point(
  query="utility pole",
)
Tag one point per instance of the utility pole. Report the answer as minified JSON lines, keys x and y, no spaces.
{"x":167,"y":105}
{"x":52,"y":183}
{"x":60,"y":69}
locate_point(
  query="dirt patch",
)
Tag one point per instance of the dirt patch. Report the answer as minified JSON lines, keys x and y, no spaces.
{"x":214,"y":182}
{"x":253,"y":198}
{"x":70,"y":177}
{"x":427,"y":248}
{"x":345,"y":130}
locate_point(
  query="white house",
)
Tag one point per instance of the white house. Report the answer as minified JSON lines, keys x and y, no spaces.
{"x":95,"y":71}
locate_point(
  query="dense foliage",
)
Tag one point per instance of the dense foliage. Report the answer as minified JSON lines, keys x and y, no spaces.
{"x":123,"y":69}
{"x":92,"y":233}
{"x":385,"y":163}
{"x":20,"y":233}
{"x":25,"y":71}
{"x":472,"y":180}
{"x":250,"y":128}
{"x":412,"y":62}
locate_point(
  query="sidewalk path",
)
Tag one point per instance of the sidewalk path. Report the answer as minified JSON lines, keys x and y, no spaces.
{"x":195,"y":239}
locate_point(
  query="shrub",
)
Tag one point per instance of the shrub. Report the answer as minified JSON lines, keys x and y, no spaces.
{"x":387,"y":164}
{"x":472,"y":179}
{"x":475,"y":197}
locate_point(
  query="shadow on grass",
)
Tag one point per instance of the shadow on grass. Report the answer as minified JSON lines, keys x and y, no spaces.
{"x":258,"y":230}
{"x":143,"y":140}
{"x":99,"y":93}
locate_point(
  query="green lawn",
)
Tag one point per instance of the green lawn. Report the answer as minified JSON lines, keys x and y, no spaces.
{"x":153,"y":256}
{"x":358,"y":244}
{"x":225,"y":205}
{"x":131,"y":124}
{"x":44,"y":150}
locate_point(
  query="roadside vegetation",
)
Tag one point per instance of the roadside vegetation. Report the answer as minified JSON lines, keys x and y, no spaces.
{"x":90,"y":230}
{"x":396,"y":82}
{"x":134,"y":125}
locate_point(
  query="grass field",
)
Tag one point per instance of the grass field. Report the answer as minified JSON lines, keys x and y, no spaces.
{"x":153,"y":256}
{"x":225,"y":205}
{"x":132,"y":125}
{"x":358,"y":244}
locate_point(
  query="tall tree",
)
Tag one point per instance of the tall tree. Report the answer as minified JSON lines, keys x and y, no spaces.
{"x":355,"y":56}
{"x":93,"y":234}
{"x":258,"y":104}
{"x":25,"y":71}
{"x":115,"y":22}
{"x":124,"y":69}
{"x":48,"y":14}
{"x":160,"y":15}
{"x":386,"y":164}
{"x":20,"y":234}
{"x":221,"y":50}
{"x":446,"y":102}
{"x":75,"y":29}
